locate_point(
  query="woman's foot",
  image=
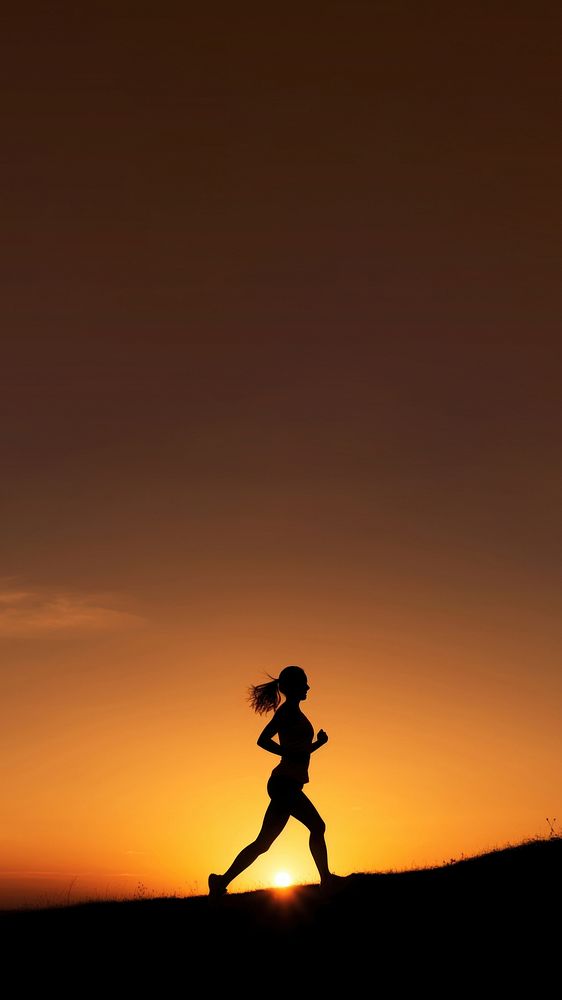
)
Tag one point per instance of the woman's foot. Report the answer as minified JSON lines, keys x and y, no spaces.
{"x":217,"y":886}
{"x":331,"y":883}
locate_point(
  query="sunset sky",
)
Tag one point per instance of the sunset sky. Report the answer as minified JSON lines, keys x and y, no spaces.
{"x":280,"y":384}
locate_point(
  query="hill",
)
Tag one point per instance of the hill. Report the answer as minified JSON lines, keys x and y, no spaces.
{"x":499,"y":911}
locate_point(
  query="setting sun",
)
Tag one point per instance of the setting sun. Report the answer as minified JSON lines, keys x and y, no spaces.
{"x":282,"y":880}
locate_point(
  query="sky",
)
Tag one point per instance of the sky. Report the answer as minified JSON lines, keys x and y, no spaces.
{"x":280,"y":384}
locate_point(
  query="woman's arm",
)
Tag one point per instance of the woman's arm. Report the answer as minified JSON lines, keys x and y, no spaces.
{"x":320,"y":740}
{"x":265,"y":740}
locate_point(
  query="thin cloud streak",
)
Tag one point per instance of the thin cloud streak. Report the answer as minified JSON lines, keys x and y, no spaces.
{"x":32,"y":873}
{"x":30,"y":613}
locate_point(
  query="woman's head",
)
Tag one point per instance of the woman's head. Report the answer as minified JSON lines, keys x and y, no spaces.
{"x":292,"y":682}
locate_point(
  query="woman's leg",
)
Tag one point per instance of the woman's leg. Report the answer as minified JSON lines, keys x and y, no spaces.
{"x":303,"y":810}
{"x":275,"y":819}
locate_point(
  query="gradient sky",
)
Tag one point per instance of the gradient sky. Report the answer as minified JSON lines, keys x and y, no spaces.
{"x":280,"y":383}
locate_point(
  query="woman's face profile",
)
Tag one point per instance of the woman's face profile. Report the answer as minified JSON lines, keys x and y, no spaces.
{"x":304,"y":687}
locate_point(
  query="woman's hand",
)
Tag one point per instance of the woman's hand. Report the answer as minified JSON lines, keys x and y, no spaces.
{"x":321,"y":738}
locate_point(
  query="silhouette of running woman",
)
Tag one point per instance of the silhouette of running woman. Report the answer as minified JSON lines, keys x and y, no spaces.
{"x":296,"y":743}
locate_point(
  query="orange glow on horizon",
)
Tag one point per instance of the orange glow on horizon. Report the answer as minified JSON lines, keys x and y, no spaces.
{"x":134,"y":782}
{"x":282,"y":880}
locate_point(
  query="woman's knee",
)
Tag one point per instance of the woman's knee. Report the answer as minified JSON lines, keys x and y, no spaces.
{"x":318,"y":828}
{"x":263,"y":842}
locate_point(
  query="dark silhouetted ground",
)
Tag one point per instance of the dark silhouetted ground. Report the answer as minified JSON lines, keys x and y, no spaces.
{"x":481,"y":923}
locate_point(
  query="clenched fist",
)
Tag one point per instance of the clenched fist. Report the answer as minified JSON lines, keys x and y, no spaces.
{"x":322,"y":737}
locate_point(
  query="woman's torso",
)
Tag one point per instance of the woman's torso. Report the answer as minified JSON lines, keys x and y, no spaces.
{"x":295,"y":737}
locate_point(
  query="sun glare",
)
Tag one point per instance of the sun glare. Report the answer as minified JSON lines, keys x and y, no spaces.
{"x":282,"y":880}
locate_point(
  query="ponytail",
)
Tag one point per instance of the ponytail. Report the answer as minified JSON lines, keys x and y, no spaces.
{"x":264,"y":697}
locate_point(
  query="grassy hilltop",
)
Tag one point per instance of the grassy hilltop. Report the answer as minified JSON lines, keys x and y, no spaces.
{"x":502,"y":907}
